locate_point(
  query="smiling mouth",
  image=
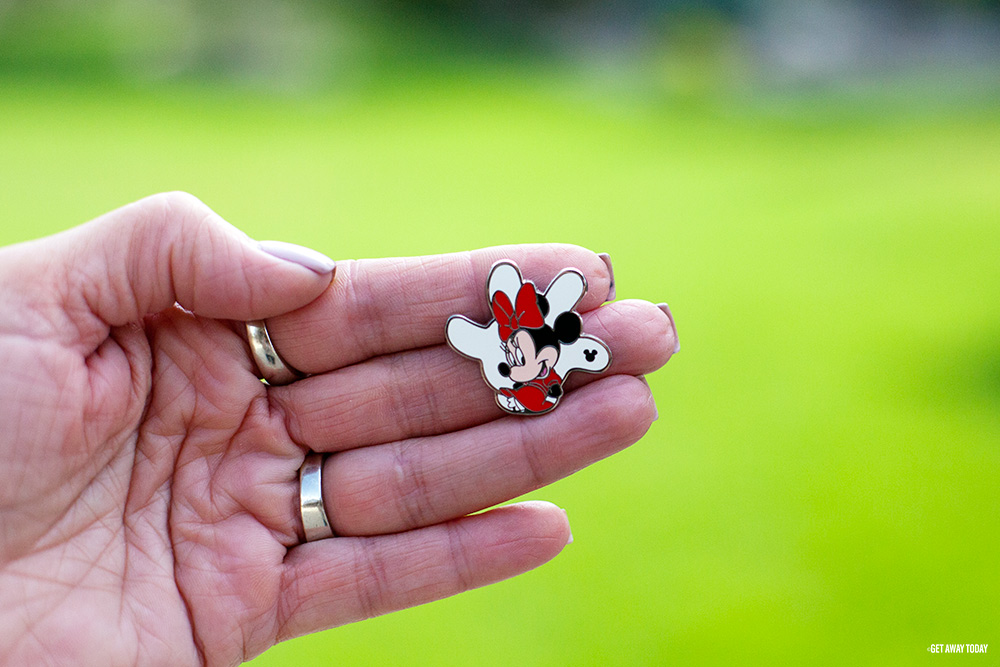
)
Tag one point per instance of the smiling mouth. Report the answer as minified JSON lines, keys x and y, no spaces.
{"x":544,"y":369}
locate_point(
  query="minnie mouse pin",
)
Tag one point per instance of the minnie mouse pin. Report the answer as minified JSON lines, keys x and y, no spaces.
{"x":533,"y":342}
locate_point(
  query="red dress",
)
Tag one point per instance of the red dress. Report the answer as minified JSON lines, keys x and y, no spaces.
{"x":532,"y":394}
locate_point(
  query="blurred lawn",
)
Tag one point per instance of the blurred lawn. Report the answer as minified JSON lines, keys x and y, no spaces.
{"x":822,"y":486}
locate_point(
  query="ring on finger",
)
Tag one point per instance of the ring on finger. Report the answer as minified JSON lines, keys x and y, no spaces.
{"x":272,"y":368}
{"x":315,"y":525}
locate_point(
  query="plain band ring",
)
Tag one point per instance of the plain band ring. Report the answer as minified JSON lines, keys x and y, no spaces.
{"x":274,"y":371}
{"x":314,"y":521}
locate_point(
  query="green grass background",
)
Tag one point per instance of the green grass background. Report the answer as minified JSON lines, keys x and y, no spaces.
{"x":822,"y":485}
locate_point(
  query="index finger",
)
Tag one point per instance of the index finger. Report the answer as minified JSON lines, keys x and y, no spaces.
{"x":380,"y":306}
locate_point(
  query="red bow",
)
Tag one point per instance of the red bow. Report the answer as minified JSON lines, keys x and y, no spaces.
{"x":526,"y":313}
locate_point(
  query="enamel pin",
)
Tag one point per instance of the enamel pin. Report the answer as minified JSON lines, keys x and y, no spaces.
{"x":533,"y":341}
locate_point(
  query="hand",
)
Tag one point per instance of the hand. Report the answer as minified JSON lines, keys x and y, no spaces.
{"x":148,"y":479}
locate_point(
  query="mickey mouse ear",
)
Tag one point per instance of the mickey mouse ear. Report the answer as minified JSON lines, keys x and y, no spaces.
{"x":568,"y":327}
{"x":543,"y":304}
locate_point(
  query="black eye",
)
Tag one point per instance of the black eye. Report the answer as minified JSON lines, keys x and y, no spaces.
{"x":516,"y":356}
{"x":590,"y":354}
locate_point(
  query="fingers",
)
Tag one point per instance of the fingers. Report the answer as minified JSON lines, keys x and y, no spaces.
{"x":381,"y":306}
{"x":434,"y":390}
{"x":420,"y":482}
{"x":169,"y":248}
{"x":336,"y":581}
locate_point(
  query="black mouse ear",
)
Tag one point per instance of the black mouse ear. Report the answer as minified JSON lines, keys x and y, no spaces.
{"x":543,"y":304}
{"x":568,"y":327}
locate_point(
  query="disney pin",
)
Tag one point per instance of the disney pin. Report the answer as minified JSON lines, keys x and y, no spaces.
{"x":533,"y":341}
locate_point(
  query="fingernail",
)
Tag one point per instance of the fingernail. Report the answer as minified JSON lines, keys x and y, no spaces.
{"x":666,"y":311}
{"x":606,"y":258}
{"x":656,"y":410}
{"x":570,"y":540}
{"x":300,"y":255}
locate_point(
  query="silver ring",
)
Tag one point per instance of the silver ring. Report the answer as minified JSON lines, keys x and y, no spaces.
{"x":274,"y":371}
{"x":314,"y":521}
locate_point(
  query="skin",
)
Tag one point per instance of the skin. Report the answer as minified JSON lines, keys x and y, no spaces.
{"x":148,"y":479}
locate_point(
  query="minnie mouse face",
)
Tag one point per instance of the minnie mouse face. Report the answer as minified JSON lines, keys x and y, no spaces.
{"x":524,"y":361}
{"x":532,"y":343}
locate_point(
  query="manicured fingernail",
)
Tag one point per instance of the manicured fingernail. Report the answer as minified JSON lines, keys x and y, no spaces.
{"x":570,"y":540}
{"x":666,"y":311}
{"x":606,"y":258}
{"x":656,"y":410}
{"x":300,"y":255}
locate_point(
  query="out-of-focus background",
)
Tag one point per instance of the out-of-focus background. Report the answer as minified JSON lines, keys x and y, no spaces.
{"x":813,"y":186}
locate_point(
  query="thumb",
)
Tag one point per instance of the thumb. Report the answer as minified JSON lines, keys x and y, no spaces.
{"x":171,"y":248}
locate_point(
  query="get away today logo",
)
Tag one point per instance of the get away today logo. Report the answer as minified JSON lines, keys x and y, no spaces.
{"x":958,"y":648}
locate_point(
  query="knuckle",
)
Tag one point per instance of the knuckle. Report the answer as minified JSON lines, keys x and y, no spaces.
{"x":159,"y":217}
{"x":412,"y":489}
{"x":461,"y":568}
{"x":362,"y":308}
{"x":178,"y":202}
{"x":289,"y":603}
{"x":177,"y":212}
{"x":373,"y":579}
{"x":419,"y":412}
{"x":537,"y":476}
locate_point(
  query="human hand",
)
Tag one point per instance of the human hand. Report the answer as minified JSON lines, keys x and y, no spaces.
{"x":149,"y":480}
